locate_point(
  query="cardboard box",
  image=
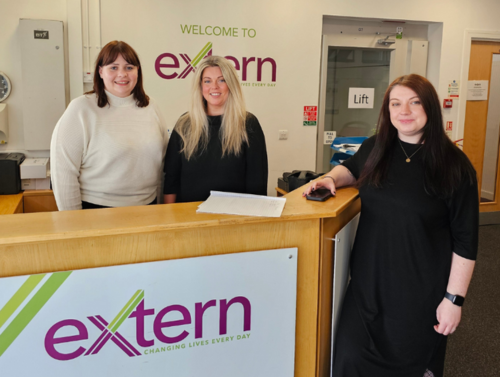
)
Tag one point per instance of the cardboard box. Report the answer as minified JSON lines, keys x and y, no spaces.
{"x":35,"y":168}
{"x":28,"y":184}
{"x":35,"y":184}
{"x":42,"y":184}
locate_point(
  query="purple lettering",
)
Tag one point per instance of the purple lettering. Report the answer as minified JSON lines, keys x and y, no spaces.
{"x":51,"y":340}
{"x":158,"y":324}
{"x":140,"y":313}
{"x":247,"y":313}
{"x":198,"y":317}
{"x":245,"y":63}
{"x":260,"y":62}
{"x":235,"y":61}
{"x":159,"y":65}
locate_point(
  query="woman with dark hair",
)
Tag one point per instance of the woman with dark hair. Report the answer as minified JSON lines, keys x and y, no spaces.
{"x":108,"y":147}
{"x":416,"y":242}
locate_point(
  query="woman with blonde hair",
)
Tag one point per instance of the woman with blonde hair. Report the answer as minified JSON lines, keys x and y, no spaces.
{"x":217,"y":145}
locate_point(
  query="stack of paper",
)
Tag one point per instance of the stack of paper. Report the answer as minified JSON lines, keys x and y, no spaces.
{"x":242,"y":204}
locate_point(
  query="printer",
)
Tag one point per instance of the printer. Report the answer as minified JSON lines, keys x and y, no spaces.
{"x":10,"y":176}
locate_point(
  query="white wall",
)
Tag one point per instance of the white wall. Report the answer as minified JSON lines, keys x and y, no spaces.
{"x":287,"y":30}
{"x":10,"y":59}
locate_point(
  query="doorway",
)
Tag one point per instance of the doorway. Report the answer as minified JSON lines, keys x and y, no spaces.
{"x":482,"y":123}
{"x":353,"y":67}
{"x":362,"y":54}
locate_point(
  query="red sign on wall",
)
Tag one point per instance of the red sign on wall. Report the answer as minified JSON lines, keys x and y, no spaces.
{"x":310,"y":115}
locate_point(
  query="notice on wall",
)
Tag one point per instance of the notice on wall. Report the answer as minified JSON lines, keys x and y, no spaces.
{"x":477,"y":90}
{"x":329,"y":136}
{"x":310,"y":115}
{"x":454,"y":89}
{"x":224,"y":315}
{"x":361,"y":98}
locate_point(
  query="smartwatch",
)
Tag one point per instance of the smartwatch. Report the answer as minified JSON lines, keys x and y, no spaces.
{"x":457,"y":300}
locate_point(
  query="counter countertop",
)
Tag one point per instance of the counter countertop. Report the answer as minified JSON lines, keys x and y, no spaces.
{"x":39,"y":227}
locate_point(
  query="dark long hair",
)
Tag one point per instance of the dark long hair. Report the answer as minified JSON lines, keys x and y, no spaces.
{"x":108,"y":55}
{"x":446,"y":166}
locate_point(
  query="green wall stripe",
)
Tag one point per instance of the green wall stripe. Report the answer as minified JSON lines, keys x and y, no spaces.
{"x":132,"y":299}
{"x":127,"y":313}
{"x":18,"y":298}
{"x":31,"y":309}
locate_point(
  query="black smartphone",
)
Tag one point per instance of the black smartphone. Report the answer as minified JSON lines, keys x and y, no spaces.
{"x":319,"y":195}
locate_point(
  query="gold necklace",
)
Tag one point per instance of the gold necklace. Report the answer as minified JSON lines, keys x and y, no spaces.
{"x":408,"y":159}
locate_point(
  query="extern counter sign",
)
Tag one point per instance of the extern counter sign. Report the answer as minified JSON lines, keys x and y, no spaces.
{"x":88,"y":321}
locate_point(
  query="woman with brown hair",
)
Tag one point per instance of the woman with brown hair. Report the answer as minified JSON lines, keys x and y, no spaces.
{"x":416,"y":242}
{"x":108,"y":147}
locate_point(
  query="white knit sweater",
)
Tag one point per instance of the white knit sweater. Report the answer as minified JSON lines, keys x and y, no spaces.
{"x":111,"y":156}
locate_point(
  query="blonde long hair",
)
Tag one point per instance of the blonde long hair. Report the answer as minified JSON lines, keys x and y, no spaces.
{"x":192,"y":127}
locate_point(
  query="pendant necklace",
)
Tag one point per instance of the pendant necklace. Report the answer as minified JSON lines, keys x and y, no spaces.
{"x":408,"y":158}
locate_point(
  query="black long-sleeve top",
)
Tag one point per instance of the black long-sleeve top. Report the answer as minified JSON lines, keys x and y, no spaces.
{"x":193,"y":180}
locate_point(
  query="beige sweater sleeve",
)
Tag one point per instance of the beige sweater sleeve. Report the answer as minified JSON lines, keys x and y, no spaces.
{"x":66,"y":151}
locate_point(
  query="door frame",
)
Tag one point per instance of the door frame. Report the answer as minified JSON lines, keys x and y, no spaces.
{"x":469,"y":37}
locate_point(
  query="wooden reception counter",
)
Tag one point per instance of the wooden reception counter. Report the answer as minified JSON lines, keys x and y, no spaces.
{"x":58,"y":241}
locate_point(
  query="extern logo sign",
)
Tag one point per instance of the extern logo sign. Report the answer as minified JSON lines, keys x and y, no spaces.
{"x":168,"y":65}
{"x":133,"y":309}
{"x":183,"y":317}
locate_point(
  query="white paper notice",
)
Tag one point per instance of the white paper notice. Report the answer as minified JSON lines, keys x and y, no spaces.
{"x":477,"y":90}
{"x":329,"y":136}
{"x":242,"y":204}
{"x":361,"y":98}
{"x":454,"y":89}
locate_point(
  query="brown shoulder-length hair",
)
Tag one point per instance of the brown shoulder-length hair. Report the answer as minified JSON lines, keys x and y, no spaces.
{"x":108,"y":55}
{"x":446,"y":166}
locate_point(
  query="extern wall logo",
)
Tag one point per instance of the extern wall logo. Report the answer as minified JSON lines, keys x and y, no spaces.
{"x":167,"y":65}
{"x":45,"y":285}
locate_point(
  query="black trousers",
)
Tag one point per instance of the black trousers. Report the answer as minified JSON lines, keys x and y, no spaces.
{"x":87,"y":205}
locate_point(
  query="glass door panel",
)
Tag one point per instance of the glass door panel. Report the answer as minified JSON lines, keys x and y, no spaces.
{"x":352,"y":67}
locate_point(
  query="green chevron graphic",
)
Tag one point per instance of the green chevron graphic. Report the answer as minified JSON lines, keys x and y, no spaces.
{"x":201,"y":54}
{"x":31,"y":309}
{"x":125,"y":312}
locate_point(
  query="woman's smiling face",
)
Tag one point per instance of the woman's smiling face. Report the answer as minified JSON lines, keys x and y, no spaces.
{"x":120,"y":77}
{"x":215,"y":90}
{"x":407,"y":114}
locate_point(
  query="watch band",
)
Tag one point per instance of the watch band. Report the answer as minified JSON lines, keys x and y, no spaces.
{"x":455,"y":299}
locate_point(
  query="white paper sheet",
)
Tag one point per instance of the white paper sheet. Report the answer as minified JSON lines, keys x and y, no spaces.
{"x":242,"y":204}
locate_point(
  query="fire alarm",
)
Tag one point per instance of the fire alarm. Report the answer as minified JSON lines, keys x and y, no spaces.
{"x":448,"y":103}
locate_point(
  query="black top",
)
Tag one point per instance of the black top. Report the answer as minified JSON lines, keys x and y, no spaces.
{"x":400,"y":263}
{"x":193,"y":180}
